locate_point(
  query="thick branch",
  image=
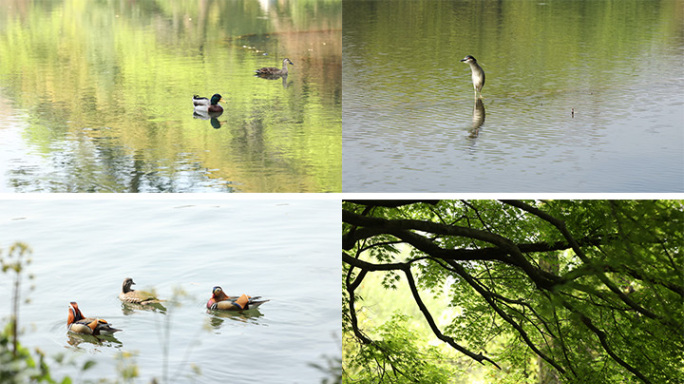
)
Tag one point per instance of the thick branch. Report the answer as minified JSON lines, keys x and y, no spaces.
{"x":560,"y":225}
{"x":390,"y":203}
{"x":351,"y":287}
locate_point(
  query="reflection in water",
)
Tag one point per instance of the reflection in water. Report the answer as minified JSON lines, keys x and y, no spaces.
{"x":211,"y":116}
{"x":75,"y":339}
{"x":529,"y":137}
{"x":102,"y":106}
{"x":478,"y":117}
{"x":130,"y":308}
{"x":251,"y":316}
{"x":274,"y":77}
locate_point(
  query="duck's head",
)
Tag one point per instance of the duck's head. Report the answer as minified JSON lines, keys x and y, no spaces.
{"x":218,"y":294}
{"x":469,"y":59}
{"x":74,"y":313}
{"x":127,"y":284}
{"x":216,"y":98}
{"x":287,"y":61}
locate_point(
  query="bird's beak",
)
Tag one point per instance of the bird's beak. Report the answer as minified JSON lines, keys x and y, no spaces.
{"x":464,"y":59}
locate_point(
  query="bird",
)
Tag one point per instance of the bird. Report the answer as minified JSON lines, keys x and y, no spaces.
{"x":219,"y":300}
{"x":130,"y":295}
{"x":273,"y":71}
{"x":202,"y":104}
{"x":477,"y":73}
{"x":77,"y":323}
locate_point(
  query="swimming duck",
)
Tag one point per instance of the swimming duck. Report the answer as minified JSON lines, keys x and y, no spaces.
{"x":130,"y":295}
{"x":273,"y":71}
{"x":202,"y":104}
{"x":76,"y":323}
{"x":219,"y":300}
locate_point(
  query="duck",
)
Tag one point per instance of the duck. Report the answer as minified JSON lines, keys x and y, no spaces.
{"x":130,"y":295}
{"x":202,"y":104}
{"x":219,"y":300}
{"x":273,"y":71}
{"x":77,"y":323}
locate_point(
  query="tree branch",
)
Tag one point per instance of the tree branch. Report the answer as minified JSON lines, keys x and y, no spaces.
{"x":431,"y":322}
{"x":390,"y":203}
{"x":561,"y":227}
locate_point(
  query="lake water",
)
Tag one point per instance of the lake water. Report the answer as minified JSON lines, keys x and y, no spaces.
{"x":97,"y":96}
{"x":410,"y":123}
{"x":284,"y":250}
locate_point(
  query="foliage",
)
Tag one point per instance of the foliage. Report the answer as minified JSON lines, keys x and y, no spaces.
{"x":546,"y":291}
{"x":17,"y":364}
{"x":398,"y":357}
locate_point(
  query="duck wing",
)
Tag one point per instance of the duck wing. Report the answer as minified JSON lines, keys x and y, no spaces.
{"x":268,"y":70}
{"x":255,"y":303}
{"x":200,"y":101}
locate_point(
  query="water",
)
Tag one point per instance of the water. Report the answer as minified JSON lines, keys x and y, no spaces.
{"x":97,"y":97}
{"x":284,"y":250}
{"x":408,"y":121}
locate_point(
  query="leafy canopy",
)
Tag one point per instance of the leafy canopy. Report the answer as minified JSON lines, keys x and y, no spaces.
{"x":574,"y":291}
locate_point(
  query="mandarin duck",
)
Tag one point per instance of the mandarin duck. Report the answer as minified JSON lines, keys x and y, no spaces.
{"x":130,"y":295}
{"x":204,"y":105}
{"x":219,"y":300}
{"x":77,"y":323}
{"x":273,"y":71}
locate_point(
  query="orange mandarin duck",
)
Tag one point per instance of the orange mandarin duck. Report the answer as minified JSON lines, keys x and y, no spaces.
{"x":219,"y":300}
{"x":130,"y":295}
{"x":77,"y":323}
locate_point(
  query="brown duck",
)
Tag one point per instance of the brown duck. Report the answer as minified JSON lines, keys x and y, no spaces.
{"x":130,"y":295}
{"x":273,"y":71}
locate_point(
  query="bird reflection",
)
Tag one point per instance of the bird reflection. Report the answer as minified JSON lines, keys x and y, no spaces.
{"x":130,"y":308}
{"x":274,"y":77}
{"x":74,"y":339}
{"x":478,"y":117}
{"x":218,"y":317}
{"x":211,"y":116}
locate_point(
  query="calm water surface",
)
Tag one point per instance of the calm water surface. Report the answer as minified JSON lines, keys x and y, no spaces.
{"x":286,"y":251}
{"x":97,"y":96}
{"x":410,"y":122}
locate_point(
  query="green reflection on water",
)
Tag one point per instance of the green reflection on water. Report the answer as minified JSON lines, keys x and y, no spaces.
{"x":548,"y":45}
{"x":107,"y":86}
{"x":408,"y":98}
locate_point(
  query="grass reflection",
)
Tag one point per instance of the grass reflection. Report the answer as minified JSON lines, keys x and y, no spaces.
{"x":106,"y":89}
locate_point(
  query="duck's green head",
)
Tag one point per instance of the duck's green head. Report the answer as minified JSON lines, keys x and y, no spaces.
{"x":215,"y":99}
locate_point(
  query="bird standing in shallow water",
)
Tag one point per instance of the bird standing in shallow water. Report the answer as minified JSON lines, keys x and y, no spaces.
{"x":477,"y":74}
